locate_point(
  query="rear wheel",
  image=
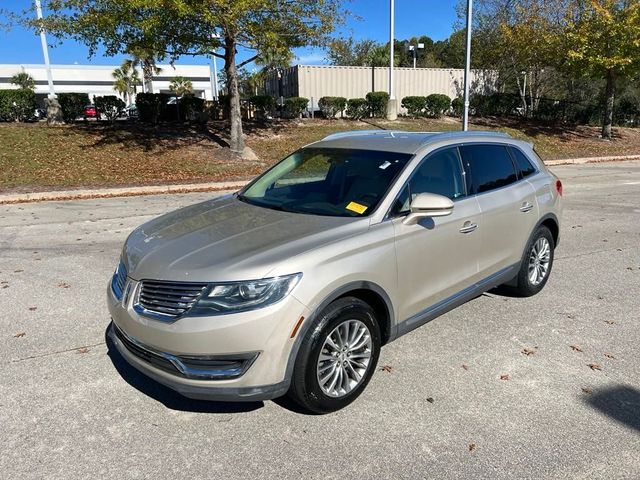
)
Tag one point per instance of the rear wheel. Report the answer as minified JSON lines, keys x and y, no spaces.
{"x":337,"y":358}
{"x":536,"y":264}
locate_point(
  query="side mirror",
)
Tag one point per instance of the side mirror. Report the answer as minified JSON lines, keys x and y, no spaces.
{"x":428,"y":205}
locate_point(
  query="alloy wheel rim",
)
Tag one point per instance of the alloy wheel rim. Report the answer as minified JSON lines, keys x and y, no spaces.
{"x":344,"y":358}
{"x":539,"y":260}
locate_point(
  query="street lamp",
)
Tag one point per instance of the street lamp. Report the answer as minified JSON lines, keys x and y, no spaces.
{"x":414,"y":52}
{"x":467,"y":69}
{"x":392,"y":113}
{"x":54,"y":113}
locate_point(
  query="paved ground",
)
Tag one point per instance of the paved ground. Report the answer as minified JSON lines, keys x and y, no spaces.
{"x":69,"y":408}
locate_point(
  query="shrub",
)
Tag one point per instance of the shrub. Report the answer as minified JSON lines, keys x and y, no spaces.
{"x":495,"y":104}
{"x":415,"y":105}
{"x":191,"y":107}
{"x":457,"y":106}
{"x":110,"y":106}
{"x":294,"y":106}
{"x":437,"y":104}
{"x":17,"y":105}
{"x":357,"y":108}
{"x":331,"y":106}
{"x":264,"y":104}
{"x":151,"y":106}
{"x":72,"y":105}
{"x":377,"y":103}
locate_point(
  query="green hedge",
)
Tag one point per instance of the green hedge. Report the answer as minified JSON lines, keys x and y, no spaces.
{"x":437,"y":104}
{"x":190,"y":107}
{"x":294,"y":106}
{"x":17,"y":105}
{"x":415,"y":105}
{"x":357,"y":108}
{"x":110,"y":106}
{"x":457,"y":106}
{"x":377,"y":103}
{"x":72,"y":105}
{"x":264,"y":104}
{"x":331,"y":106}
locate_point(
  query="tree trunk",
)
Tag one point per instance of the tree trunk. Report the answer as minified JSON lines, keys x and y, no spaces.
{"x":607,"y":120}
{"x":235,"y":115}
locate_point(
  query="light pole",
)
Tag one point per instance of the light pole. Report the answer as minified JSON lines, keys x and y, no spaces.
{"x":467,"y":69}
{"x":54,"y":113}
{"x":414,"y":51}
{"x":392,"y":113}
{"x":214,"y":80}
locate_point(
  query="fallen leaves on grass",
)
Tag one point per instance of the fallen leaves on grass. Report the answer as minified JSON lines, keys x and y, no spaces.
{"x":529,"y":351}
{"x":20,"y":334}
{"x":386,"y":368}
{"x":504,"y":376}
{"x":594,"y":366}
{"x":576,"y":348}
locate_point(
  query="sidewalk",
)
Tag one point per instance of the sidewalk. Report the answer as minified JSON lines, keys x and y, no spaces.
{"x":80,"y":194}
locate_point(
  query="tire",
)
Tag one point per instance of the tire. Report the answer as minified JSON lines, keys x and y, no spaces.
{"x":530,"y":283}
{"x":344,"y":318}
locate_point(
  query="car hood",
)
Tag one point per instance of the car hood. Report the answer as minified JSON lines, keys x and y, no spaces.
{"x":225,"y":239}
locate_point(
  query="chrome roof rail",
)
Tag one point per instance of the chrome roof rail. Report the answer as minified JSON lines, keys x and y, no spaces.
{"x":357,"y":133}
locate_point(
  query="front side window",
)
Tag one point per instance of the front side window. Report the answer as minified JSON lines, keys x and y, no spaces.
{"x":490,"y":167}
{"x":439,"y":173}
{"x":327,"y":181}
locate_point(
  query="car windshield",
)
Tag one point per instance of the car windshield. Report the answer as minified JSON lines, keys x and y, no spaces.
{"x":327,"y":181}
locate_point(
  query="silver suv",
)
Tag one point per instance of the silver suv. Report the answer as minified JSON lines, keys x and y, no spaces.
{"x":293,"y":284}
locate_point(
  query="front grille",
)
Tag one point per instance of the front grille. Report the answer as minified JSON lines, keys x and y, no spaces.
{"x":222,"y":367}
{"x":170,"y":299}
{"x":119,"y":279}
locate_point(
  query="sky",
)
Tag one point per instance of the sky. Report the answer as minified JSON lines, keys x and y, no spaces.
{"x":413,"y":18}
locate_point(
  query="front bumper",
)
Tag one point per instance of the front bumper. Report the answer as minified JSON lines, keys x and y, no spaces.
{"x":246,"y":354}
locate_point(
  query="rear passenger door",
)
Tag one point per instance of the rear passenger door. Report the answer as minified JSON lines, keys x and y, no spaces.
{"x":507,"y":204}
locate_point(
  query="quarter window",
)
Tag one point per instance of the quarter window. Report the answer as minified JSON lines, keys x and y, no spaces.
{"x":490,"y":166}
{"x":524,"y":164}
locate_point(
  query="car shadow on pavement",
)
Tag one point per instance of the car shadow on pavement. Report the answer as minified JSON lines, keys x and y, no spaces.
{"x":168,"y":397}
{"x":622,"y":403}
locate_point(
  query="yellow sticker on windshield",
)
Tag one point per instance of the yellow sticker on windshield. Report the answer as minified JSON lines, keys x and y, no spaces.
{"x":357,"y":207}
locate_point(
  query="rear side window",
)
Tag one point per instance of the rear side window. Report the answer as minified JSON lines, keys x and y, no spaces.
{"x":523,"y":163}
{"x":490,"y":167}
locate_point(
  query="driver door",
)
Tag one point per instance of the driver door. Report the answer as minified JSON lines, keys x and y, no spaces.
{"x":438,"y":256}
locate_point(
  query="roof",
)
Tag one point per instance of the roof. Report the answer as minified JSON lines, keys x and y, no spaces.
{"x":399,"y":141}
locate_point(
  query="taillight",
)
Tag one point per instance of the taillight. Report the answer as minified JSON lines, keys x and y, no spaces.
{"x":559,"y":187}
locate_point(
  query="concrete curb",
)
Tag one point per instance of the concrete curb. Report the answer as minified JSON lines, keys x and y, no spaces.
{"x":212,"y":186}
{"x":118,"y":192}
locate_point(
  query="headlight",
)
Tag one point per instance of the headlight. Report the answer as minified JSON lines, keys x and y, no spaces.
{"x":242,"y":296}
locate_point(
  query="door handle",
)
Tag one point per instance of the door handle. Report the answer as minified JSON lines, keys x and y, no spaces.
{"x":526,"y":207}
{"x":468,"y":227}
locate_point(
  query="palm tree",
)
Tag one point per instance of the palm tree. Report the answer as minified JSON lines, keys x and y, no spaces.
{"x":126,"y":80}
{"x":181,"y":86}
{"x":24,"y":81}
{"x":145,"y":59}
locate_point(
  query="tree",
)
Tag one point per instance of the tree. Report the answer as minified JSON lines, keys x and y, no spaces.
{"x":175,"y":28}
{"x":24,"y":81}
{"x":125,"y":81}
{"x":144,"y":59}
{"x":181,"y":86}
{"x":603,"y":41}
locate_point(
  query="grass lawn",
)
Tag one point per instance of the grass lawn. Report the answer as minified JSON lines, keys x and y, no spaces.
{"x":36,"y":157}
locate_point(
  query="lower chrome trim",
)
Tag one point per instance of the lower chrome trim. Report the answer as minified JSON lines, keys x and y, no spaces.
{"x":188,"y":366}
{"x":457,"y":299}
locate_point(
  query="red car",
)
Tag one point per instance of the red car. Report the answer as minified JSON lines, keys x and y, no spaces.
{"x":90,"y":112}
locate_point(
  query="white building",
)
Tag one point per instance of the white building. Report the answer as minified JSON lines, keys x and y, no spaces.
{"x":97,"y":79}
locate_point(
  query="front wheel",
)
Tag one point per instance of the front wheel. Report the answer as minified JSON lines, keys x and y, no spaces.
{"x":337,"y":358}
{"x":536,"y":264}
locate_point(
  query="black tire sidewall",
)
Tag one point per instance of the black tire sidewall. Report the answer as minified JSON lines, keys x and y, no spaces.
{"x":305,"y":388}
{"x":525,"y":287}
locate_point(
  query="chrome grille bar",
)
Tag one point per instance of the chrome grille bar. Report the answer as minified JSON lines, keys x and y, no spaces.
{"x":170,"y":299}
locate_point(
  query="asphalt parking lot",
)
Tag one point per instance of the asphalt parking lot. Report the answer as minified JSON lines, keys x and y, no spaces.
{"x":545,"y":387}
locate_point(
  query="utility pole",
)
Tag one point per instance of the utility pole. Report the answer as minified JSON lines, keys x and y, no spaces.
{"x":214,"y":80}
{"x":54,"y":113}
{"x":467,"y":69}
{"x":392,"y":107}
